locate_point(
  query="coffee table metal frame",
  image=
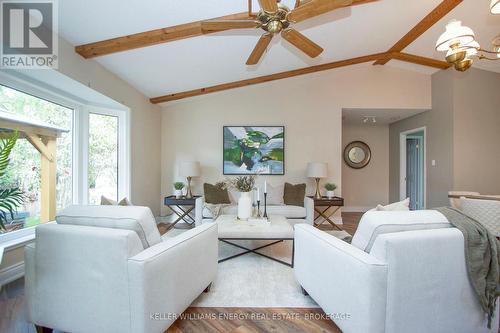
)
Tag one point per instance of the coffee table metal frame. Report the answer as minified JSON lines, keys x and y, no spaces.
{"x":247,"y":250}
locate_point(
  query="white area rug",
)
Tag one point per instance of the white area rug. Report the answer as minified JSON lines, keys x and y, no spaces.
{"x":254,"y":281}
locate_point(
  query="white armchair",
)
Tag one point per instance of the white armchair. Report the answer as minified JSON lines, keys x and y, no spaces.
{"x":409,"y":281}
{"x":82,"y":277}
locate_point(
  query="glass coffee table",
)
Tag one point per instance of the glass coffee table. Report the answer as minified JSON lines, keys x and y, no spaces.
{"x":276,"y":231}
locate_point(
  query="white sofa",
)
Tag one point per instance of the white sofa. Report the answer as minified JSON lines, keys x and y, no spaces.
{"x":84,"y":277}
{"x":410,"y":278}
{"x":296,"y":214}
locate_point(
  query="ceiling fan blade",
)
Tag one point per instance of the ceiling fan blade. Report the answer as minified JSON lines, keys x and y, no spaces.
{"x":302,"y":42}
{"x":315,"y":8}
{"x":259,"y":49}
{"x":270,"y":6}
{"x":219,"y":25}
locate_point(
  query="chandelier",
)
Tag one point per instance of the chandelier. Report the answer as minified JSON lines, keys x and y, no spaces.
{"x":458,"y":41}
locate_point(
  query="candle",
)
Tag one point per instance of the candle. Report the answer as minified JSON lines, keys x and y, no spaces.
{"x":258,"y":194}
{"x":265,"y":186}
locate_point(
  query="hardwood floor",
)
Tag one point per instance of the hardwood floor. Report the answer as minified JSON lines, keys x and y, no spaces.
{"x":235,"y":320}
{"x":254,"y":320}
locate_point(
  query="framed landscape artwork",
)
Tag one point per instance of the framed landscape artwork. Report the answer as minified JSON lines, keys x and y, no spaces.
{"x":254,"y":150}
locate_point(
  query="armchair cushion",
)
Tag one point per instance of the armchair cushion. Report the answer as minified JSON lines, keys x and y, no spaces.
{"x":375,"y":223}
{"x":134,"y":218}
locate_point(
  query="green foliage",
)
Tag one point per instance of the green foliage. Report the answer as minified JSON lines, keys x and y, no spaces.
{"x":330,"y":186}
{"x":6,"y":146}
{"x":24,"y":167}
{"x":220,"y":185}
{"x":10,"y":198}
{"x":179,"y":185}
{"x":241,"y":184}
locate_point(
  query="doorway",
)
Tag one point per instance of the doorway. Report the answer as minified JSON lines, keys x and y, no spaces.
{"x":413,"y":167}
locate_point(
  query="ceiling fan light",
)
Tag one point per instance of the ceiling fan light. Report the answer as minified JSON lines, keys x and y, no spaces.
{"x":495,"y":6}
{"x":455,"y":33}
{"x":455,"y":55}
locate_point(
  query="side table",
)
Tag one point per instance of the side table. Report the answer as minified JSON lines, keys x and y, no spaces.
{"x":322,"y":207}
{"x":182,"y":207}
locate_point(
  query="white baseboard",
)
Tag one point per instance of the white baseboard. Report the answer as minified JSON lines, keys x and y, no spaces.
{"x":11,"y":273}
{"x":356,"y":209}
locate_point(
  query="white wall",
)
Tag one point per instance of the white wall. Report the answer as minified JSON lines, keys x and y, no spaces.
{"x":365,"y":188}
{"x":310,"y":107}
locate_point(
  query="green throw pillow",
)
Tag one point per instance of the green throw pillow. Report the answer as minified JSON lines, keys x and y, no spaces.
{"x":215,"y":195}
{"x":294,"y":194}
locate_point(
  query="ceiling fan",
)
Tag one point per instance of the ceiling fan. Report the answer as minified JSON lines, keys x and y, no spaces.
{"x":276,"y":18}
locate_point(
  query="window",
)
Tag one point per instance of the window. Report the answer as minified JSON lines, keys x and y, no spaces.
{"x":91,"y":148}
{"x":103,"y":157}
{"x":24,"y":170}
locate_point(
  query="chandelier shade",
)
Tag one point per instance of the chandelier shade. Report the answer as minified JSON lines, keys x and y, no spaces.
{"x":495,"y":6}
{"x":455,"y":33}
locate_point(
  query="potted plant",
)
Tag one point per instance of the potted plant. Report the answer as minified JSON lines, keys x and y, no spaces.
{"x":330,"y":190}
{"x":11,"y":197}
{"x":244,"y":185}
{"x":178,"y":186}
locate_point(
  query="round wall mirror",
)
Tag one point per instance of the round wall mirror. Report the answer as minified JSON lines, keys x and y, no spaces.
{"x":357,"y":154}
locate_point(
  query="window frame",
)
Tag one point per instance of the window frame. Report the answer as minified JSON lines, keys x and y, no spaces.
{"x":80,"y":133}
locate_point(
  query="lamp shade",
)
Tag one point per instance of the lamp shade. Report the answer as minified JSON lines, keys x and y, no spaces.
{"x":455,"y":32}
{"x":317,"y":170}
{"x":190,"y":169}
{"x":495,"y":6}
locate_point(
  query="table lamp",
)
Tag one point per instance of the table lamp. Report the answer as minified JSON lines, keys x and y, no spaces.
{"x":317,"y":170}
{"x":189,"y":170}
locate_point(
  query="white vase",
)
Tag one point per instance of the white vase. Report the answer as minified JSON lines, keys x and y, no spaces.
{"x":330,"y":194}
{"x":178,"y":194}
{"x":244,"y":206}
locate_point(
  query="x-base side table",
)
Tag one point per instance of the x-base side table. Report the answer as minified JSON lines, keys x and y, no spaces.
{"x":325,"y":208}
{"x":182,"y":207}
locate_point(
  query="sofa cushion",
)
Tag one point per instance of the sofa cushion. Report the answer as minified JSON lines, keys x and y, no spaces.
{"x":375,"y":223}
{"x":486,"y":212}
{"x":274,"y":194}
{"x":215,"y":194}
{"x":107,"y":201}
{"x":294,"y":194}
{"x":290,"y":212}
{"x":396,"y":206}
{"x":135,"y":218}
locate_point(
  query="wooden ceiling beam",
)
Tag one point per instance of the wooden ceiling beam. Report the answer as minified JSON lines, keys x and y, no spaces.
{"x":266,"y":78}
{"x":425,"y":24}
{"x":414,"y":59}
{"x":148,"y":38}
{"x":158,"y":36}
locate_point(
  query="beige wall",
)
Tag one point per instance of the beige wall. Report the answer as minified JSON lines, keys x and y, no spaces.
{"x":365,"y":188}
{"x":439,"y":141}
{"x":476,"y":133}
{"x":145,"y":122}
{"x":310,"y":107}
{"x":463,"y":132}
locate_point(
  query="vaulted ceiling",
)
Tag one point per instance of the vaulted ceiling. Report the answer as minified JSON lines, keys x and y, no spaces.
{"x":218,"y":58}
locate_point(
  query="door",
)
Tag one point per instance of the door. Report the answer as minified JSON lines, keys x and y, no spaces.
{"x":415,"y":170}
